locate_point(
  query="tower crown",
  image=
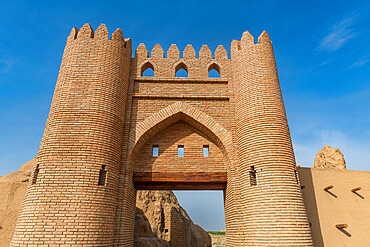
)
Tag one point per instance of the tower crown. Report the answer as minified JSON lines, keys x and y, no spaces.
{"x":101,"y":33}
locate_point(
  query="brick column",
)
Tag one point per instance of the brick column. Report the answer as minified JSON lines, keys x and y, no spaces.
{"x":272,"y":207}
{"x":72,"y":197}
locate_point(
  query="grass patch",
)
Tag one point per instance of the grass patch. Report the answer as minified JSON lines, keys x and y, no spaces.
{"x":216,"y":233}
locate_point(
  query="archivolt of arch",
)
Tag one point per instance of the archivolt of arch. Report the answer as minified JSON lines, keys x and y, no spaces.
{"x":172,"y":114}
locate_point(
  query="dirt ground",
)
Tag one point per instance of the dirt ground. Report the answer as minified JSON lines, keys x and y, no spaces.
{"x":218,"y":240}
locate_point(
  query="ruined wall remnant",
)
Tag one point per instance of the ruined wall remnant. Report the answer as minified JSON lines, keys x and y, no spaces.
{"x":330,"y":158}
{"x":169,"y":220}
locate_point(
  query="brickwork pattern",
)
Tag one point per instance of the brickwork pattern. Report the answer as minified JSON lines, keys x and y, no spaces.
{"x":168,"y":141}
{"x":273,"y":209}
{"x":106,"y":113}
{"x":66,"y":206}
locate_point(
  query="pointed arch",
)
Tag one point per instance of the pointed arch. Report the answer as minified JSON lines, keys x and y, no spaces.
{"x":145,"y":66}
{"x":181,"y":65}
{"x":214,"y":66}
{"x":172,"y":114}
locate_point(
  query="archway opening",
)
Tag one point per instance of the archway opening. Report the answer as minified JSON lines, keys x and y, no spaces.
{"x":205,"y":208}
{"x":185,"y":160}
{"x":147,"y":70}
{"x":214,"y":71}
{"x":184,"y":218}
{"x":181,"y":70}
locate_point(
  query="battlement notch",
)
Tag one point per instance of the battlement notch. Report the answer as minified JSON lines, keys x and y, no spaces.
{"x":101,"y":33}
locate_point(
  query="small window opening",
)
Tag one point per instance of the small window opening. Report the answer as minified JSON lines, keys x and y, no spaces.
{"x":180,"y":150}
{"x":102,"y":175}
{"x":147,"y":70}
{"x":181,"y":70}
{"x":206,"y":150}
{"x":253,"y":176}
{"x":214,"y":71}
{"x":165,"y":230}
{"x":35,"y":174}
{"x":155,"y":150}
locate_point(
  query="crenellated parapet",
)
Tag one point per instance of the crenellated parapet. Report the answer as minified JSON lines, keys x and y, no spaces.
{"x":101,"y":34}
{"x":247,"y":42}
{"x":167,"y":66}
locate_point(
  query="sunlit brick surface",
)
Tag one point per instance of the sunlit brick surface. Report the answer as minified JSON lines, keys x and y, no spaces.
{"x":84,"y":130}
{"x":105,"y":113}
{"x":273,"y":212}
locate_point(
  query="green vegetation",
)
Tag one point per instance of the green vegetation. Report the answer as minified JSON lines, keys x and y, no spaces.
{"x":216,"y":233}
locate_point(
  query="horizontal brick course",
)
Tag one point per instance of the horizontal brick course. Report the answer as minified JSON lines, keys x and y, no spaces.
{"x":105,"y":118}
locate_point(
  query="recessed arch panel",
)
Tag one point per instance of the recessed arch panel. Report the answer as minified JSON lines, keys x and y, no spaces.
{"x":179,"y":111}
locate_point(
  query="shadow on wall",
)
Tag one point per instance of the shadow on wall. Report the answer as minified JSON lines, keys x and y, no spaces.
{"x":305,"y":177}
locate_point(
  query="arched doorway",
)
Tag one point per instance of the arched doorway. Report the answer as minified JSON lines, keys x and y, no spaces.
{"x":180,"y":148}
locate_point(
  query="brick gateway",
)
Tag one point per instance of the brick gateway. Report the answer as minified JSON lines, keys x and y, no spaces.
{"x":106,"y":119}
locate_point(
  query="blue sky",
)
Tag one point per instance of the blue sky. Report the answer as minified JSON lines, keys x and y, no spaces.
{"x":321,"y":47}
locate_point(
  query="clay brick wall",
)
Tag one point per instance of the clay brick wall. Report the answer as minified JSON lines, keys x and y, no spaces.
{"x":151,"y":94}
{"x":168,"y":160}
{"x":144,"y":107}
{"x":148,"y":96}
{"x":273,"y":212}
{"x":66,"y":206}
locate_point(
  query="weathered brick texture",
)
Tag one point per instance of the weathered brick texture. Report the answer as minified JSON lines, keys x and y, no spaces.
{"x":66,"y":206}
{"x":106,"y":116}
{"x":273,"y":211}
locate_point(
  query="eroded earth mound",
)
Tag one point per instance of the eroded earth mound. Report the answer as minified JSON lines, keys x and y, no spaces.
{"x":330,"y":158}
{"x":169,"y":220}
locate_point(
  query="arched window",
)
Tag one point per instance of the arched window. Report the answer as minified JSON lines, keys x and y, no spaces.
{"x":214,"y":71}
{"x":147,"y":70}
{"x":181,"y":70}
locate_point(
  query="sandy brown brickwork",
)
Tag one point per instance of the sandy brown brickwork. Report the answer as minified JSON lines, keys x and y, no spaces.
{"x":106,"y":116}
{"x":168,"y":141}
{"x":273,"y":209}
{"x":66,"y":206}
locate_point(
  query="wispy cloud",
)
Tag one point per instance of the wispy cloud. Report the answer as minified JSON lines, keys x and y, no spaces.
{"x":6,"y":65}
{"x":355,"y":152}
{"x":339,"y":34}
{"x":359,"y":63}
{"x":341,"y":122}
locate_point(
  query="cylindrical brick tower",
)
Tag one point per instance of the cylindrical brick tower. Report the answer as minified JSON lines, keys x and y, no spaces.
{"x":71,"y":199}
{"x":272,"y":204}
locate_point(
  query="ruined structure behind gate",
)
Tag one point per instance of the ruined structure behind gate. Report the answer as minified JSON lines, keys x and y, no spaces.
{"x":106,"y":119}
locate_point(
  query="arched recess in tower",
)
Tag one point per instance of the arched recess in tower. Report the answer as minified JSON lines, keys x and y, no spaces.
{"x":172,"y":114}
{"x":180,"y":136}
